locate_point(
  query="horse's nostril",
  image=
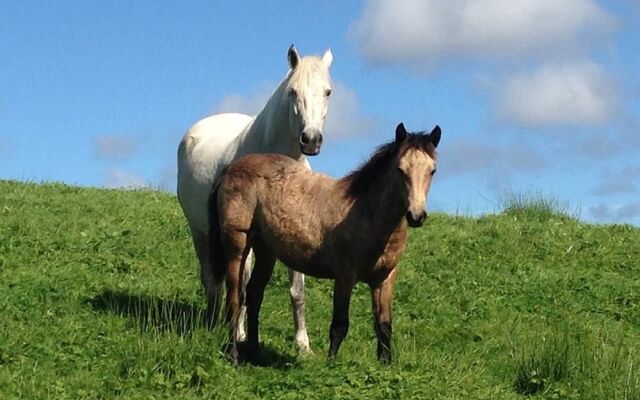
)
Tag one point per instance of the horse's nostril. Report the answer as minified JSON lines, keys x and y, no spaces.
{"x":304,"y":138}
{"x":412,"y":218}
{"x":320,"y":139}
{"x":416,"y":219}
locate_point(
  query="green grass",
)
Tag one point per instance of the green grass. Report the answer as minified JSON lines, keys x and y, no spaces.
{"x":534,"y":206}
{"x":100,"y":298}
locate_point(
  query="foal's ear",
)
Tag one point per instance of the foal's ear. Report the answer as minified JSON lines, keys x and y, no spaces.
{"x":293,"y":57}
{"x":401,"y":133}
{"x":327,"y":58}
{"x":435,"y":136}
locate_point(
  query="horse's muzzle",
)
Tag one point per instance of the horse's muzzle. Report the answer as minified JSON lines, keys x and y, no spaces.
{"x":416,"y":221}
{"x":310,"y":142}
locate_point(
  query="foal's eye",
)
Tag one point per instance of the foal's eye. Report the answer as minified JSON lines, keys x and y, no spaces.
{"x":293,"y":93}
{"x":327,"y":92}
{"x":433,"y":172}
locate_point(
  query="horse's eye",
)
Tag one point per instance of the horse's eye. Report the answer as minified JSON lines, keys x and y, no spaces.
{"x":293,"y":93}
{"x":433,"y":172}
{"x":327,"y":92}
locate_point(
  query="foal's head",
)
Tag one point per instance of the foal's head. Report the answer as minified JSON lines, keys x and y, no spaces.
{"x":307,"y":92}
{"x":404,"y":166}
{"x":416,"y":165}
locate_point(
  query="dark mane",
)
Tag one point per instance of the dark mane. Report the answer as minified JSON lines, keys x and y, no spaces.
{"x":360,"y":179}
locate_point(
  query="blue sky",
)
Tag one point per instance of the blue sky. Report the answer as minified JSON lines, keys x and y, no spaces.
{"x":533,"y":96}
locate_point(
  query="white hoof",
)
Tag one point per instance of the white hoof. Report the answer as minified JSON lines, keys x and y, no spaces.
{"x":302,"y":342}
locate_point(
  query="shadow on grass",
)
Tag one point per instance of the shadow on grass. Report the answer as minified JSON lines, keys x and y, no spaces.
{"x":268,"y":357}
{"x":153,"y":313}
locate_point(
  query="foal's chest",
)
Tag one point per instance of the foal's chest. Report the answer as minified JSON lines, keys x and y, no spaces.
{"x":391,"y":254}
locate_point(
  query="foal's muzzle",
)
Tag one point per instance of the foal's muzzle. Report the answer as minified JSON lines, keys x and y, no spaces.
{"x":416,"y":221}
{"x":310,"y":142}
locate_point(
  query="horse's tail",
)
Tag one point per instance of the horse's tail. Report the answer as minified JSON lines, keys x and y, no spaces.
{"x":217,"y":261}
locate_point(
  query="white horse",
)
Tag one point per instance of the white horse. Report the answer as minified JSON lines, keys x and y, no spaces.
{"x":291,"y":123}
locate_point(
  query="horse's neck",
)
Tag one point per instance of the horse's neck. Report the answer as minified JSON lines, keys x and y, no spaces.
{"x":386,"y":202}
{"x":269,"y":132}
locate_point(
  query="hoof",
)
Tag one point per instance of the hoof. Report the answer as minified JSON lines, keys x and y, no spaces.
{"x":385,"y":357}
{"x":252,"y":353}
{"x":232,"y":354}
{"x":302,"y":343}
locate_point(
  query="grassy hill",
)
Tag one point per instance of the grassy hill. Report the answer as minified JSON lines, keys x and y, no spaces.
{"x":100,"y":298}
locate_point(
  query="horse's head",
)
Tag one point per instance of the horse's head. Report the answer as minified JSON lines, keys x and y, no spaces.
{"x":417,"y":165}
{"x":308,"y":88}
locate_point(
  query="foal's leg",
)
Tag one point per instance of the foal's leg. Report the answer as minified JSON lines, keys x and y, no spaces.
{"x":236,"y":249}
{"x":241,"y":333}
{"x":342,"y":290}
{"x":265,"y":261}
{"x":296,"y":291}
{"x":381,"y":296}
{"x":212,"y":290}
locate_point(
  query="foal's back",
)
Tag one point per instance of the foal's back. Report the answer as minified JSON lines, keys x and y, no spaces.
{"x":281,"y":203}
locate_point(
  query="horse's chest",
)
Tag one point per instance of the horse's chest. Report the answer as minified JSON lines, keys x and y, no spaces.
{"x":393,"y":250}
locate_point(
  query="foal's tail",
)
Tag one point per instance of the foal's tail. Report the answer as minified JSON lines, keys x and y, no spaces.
{"x":217,"y":261}
{"x":215,"y":235}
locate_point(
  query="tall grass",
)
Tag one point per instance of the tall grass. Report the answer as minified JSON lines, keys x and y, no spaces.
{"x":567,"y":364}
{"x":535,"y":205}
{"x":541,"y":362}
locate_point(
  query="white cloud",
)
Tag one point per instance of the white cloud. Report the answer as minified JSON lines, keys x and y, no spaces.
{"x":619,"y":183}
{"x":616,"y":213}
{"x":600,"y":145}
{"x":114,"y":146}
{"x":616,"y":185}
{"x":343,"y":118}
{"x":471,"y":156}
{"x":117,"y":178}
{"x":425,"y":32}
{"x":575,"y":94}
{"x":251,"y":105}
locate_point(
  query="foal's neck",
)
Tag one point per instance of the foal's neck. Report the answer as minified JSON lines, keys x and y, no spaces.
{"x":386,"y":199}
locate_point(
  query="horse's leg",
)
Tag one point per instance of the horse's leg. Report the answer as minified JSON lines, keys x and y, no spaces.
{"x":381,"y":297}
{"x":340,"y":323}
{"x":297,"y":295}
{"x":265,"y":261}
{"x":236,"y":249}
{"x":296,"y":292}
{"x":241,"y":333}
{"x":212,"y":290}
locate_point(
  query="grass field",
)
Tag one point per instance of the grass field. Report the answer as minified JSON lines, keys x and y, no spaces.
{"x":100,"y":298}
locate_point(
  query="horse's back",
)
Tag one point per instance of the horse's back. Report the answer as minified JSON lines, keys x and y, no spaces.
{"x":201,"y":158}
{"x":208,"y":138}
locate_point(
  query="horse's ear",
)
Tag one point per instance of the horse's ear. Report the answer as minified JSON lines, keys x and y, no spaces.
{"x":434,"y":136}
{"x":293,"y":57}
{"x":327,"y":58}
{"x":401,"y":133}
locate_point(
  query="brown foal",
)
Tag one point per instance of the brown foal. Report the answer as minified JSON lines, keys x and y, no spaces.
{"x":351,"y":230}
